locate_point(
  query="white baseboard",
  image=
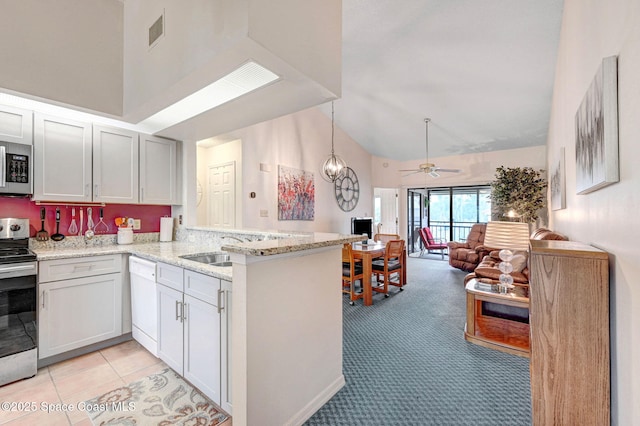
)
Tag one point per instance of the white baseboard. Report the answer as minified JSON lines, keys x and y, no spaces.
{"x":314,"y":405}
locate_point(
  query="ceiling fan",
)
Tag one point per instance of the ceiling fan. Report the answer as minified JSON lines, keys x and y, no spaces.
{"x":430,"y":168}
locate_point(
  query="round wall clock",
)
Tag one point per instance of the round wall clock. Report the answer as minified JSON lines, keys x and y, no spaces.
{"x":347,"y":190}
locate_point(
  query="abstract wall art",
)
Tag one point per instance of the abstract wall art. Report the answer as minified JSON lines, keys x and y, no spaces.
{"x":557,"y":182}
{"x":597,"y":131}
{"x":296,"y":194}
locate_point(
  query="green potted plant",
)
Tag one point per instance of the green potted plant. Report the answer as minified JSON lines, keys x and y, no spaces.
{"x":518,"y":192}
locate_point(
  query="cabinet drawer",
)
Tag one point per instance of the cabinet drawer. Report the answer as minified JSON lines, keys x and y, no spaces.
{"x":64,"y":269}
{"x":170,"y":275}
{"x":203,"y":287}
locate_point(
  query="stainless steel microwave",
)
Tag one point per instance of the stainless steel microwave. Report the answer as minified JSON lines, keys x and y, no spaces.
{"x":16,"y":169}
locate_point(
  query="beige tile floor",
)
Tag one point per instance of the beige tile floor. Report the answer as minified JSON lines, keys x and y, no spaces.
{"x":75,"y":380}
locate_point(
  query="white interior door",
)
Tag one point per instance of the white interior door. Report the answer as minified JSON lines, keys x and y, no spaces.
{"x":222,"y":195}
{"x":386,"y":210}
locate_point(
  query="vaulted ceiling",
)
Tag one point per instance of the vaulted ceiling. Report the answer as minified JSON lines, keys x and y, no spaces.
{"x":483,"y":71}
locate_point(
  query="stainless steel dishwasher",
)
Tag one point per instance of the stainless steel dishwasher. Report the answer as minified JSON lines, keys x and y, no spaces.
{"x":144,"y":303}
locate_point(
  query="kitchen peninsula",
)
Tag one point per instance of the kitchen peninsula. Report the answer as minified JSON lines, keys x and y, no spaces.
{"x":286,"y":333}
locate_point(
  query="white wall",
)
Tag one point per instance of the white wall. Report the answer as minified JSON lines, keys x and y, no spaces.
{"x":66,"y":51}
{"x":606,"y":218}
{"x":303,"y":141}
{"x":207,"y":39}
{"x":194,"y":34}
{"x":476,"y":169}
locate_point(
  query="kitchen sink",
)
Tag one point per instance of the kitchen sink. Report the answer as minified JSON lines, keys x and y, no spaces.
{"x":214,"y":259}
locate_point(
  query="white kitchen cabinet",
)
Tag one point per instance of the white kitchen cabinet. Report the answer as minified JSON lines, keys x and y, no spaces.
{"x":189,"y":330}
{"x":78,"y":312}
{"x":127,"y":322}
{"x":16,"y":125}
{"x":225,"y":345}
{"x":62,"y":154}
{"x":115,"y":165}
{"x":158,"y":171}
{"x":202,"y":346}
{"x":170,"y":327}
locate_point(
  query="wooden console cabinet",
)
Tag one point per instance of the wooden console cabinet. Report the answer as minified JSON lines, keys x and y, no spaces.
{"x":569,"y":323}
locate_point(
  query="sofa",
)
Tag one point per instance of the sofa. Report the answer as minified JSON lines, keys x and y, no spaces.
{"x":467,"y":255}
{"x":487,"y":269}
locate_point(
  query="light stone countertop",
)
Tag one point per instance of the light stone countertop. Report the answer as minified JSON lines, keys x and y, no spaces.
{"x":166,"y":252}
{"x":295,"y":243}
{"x":170,"y":252}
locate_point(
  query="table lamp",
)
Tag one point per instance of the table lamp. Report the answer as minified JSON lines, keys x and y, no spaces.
{"x":507,"y":237}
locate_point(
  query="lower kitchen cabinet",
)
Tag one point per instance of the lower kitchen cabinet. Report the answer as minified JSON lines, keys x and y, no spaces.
{"x":78,"y":312}
{"x":189,"y":331}
{"x":202,"y":346}
{"x":225,"y":345}
{"x":80,"y":302}
{"x":170,"y":327}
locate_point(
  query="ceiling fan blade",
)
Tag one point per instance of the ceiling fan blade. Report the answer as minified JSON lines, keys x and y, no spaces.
{"x":413,"y":172}
{"x":448,"y":170}
{"x":434,"y":174}
{"x":410,"y":170}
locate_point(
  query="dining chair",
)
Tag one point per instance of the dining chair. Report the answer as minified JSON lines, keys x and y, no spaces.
{"x":351,"y":272}
{"x":429,"y":243}
{"x":392,"y":263}
{"x":384,"y":238}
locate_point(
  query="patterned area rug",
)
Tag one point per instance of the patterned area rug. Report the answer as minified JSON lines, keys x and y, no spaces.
{"x":160,"y":399}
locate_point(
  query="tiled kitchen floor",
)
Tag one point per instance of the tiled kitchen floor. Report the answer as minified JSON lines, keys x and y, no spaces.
{"x":76,"y":380}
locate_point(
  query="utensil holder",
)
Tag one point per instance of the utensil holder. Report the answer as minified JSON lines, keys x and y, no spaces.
{"x":125,"y":236}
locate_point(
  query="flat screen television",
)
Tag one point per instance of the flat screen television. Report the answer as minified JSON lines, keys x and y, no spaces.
{"x":362,"y":225}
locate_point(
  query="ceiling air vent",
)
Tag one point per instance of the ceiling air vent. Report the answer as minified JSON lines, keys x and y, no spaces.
{"x":156,"y":31}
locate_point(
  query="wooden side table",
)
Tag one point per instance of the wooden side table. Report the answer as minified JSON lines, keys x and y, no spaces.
{"x":498,"y":328}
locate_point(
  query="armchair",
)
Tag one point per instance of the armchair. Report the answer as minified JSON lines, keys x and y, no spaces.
{"x":488,"y":267}
{"x":430,"y":244}
{"x":467,"y":255}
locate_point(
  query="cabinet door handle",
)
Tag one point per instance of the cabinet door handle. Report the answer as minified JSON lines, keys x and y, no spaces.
{"x":178,"y":314}
{"x":96,"y":188}
{"x":43,"y":296}
{"x":3,"y":162}
{"x":185,"y":307}
{"x":220,"y":299}
{"x":87,"y":188}
{"x":82,"y":268}
{"x":141,"y":194}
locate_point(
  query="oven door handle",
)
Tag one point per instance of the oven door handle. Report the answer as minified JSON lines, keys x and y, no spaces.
{"x":7,"y":269}
{"x":3,"y":165}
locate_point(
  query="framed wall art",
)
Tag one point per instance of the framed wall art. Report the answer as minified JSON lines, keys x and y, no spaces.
{"x":597,"y":131}
{"x":557,"y":185}
{"x":296,"y":194}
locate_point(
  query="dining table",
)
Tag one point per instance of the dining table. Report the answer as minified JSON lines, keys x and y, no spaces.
{"x":367,"y":252}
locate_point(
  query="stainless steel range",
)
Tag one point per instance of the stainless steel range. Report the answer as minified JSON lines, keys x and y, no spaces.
{"x":18,"y":332}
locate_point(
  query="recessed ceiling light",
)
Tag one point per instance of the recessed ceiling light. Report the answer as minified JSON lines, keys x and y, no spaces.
{"x":245,"y":79}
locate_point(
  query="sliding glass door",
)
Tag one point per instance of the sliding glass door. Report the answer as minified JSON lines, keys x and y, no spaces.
{"x":415,"y":220}
{"x":450,"y":212}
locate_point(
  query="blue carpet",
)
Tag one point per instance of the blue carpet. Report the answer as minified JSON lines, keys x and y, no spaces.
{"x":406,"y":361}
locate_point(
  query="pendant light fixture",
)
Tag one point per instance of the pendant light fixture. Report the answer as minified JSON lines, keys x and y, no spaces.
{"x":334,"y":166}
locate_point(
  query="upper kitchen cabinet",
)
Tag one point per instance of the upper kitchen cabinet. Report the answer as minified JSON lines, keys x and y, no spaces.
{"x":158,"y":171}
{"x":16,"y":125}
{"x":115,"y":165}
{"x":62,"y":154}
